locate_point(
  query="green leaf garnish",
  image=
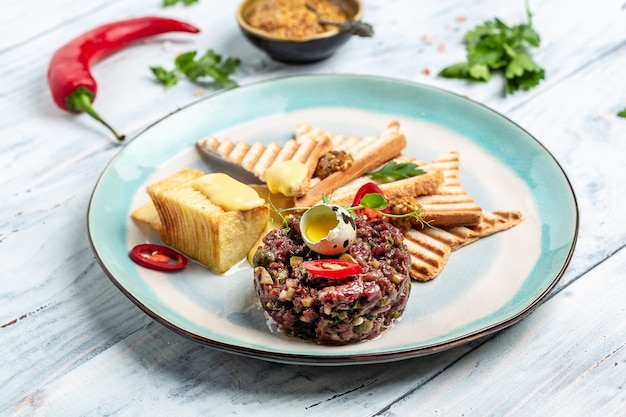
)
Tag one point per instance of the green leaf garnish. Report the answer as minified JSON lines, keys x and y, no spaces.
{"x":168,"y":3}
{"x":496,"y":46}
{"x":393,"y":171}
{"x":374,"y":201}
{"x":167,"y":78}
{"x":209,"y":70}
{"x":622,"y":113}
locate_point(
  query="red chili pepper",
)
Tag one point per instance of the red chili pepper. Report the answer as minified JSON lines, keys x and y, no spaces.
{"x":69,"y":78}
{"x":332,"y":268}
{"x":157,"y":257}
{"x":367,"y":188}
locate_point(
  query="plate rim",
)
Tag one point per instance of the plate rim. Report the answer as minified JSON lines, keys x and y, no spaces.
{"x":344,"y":359}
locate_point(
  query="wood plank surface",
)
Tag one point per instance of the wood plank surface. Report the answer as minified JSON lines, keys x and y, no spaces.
{"x":71,"y":344}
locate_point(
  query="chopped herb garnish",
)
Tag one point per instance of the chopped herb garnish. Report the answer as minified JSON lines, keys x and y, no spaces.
{"x":622,"y":113}
{"x":393,"y":171}
{"x":496,"y":46}
{"x":209,"y":70}
{"x":167,"y":78}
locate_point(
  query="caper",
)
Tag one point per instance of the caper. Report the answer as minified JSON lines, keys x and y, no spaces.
{"x":263,"y":257}
{"x":281,"y":275}
{"x":364,"y":327}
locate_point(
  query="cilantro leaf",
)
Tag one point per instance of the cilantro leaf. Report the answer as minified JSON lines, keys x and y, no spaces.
{"x":622,"y":113}
{"x":393,"y":171}
{"x":208,"y":70}
{"x":494,"y":45}
{"x":168,"y":3}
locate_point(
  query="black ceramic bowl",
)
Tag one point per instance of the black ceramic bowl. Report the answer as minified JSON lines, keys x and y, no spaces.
{"x":298,"y":50}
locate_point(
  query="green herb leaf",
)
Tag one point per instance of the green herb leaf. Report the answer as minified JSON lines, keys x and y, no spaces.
{"x":622,"y":113}
{"x":374,"y":201}
{"x":393,"y":171}
{"x":184,"y":63}
{"x":209,"y":70}
{"x":479,"y":72}
{"x":495,"y":45}
{"x":167,"y":78}
{"x":168,"y":3}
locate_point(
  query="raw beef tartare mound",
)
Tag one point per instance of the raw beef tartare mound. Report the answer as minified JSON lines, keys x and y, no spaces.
{"x":334,"y":310}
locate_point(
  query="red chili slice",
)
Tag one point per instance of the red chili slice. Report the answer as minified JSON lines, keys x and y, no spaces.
{"x":367,"y":188}
{"x":332,"y":268}
{"x":157,"y":257}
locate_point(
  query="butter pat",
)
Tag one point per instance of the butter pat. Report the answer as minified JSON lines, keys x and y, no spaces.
{"x":285,"y":176}
{"x":227,"y":192}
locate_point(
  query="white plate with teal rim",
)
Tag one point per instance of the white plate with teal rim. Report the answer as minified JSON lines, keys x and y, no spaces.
{"x":485,"y":287}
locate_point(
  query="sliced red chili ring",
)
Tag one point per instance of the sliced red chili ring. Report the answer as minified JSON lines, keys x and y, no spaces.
{"x":332,"y":268}
{"x":157,"y":257}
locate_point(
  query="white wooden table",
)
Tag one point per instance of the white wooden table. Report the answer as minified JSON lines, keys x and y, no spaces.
{"x":71,"y":344}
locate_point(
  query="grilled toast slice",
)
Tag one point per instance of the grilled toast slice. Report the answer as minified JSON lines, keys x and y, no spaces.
{"x":258,"y":157}
{"x":368,"y":153}
{"x":430,"y":248}
{"x":424,"y":184}
{"x":450,"y":204}
{"x":444,"y":201}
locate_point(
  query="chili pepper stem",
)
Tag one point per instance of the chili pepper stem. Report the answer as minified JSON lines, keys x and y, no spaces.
{"x":81,"y":101}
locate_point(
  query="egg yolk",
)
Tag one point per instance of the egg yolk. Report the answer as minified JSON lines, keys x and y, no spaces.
{"x":319,"y":229}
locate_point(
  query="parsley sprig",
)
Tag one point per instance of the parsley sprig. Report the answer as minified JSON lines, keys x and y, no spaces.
{"x":393,"y":171}
{"x":209,"y":70}
{"x":496,"y":46}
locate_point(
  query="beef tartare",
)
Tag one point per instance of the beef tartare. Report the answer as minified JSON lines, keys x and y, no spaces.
{"x":338,"y":309}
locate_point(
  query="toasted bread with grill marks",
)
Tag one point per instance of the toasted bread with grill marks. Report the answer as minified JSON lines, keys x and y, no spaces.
{"x":424,"y":184}
{"x":258,"y":157}
{"x":368,"y":152}
{"x":431,"y":247}
{"x":450,"y":204}
{"x":444,"y":201}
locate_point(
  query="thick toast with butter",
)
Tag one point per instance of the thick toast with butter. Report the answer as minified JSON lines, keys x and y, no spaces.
{"x":187,"y":220}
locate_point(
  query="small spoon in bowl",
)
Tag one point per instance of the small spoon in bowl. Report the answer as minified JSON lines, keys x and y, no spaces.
{"x":354,"y":27}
